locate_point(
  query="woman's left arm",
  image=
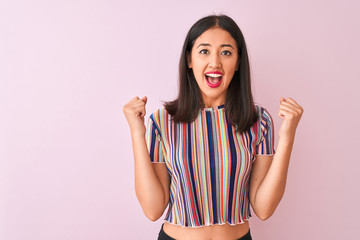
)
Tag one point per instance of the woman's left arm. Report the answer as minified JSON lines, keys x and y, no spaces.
{"x":269,"y":173}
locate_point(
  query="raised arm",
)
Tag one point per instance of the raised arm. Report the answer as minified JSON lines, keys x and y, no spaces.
{"x":269,"y":173}
{"x":152,"y":181}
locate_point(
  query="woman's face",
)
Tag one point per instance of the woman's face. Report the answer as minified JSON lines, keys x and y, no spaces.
{"x":214,"y":60}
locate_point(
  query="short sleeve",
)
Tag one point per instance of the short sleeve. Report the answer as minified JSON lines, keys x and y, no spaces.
{"x":153,"y":141}
{"x":266,"y":134}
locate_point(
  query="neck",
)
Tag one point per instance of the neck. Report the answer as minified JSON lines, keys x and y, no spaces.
{"x":213,"y":102}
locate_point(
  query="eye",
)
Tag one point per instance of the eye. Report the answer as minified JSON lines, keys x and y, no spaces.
{"x":204,"y":51}
{"x":226,"y":53}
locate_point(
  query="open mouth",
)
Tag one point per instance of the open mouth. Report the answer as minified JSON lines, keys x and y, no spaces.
{"x":213,"y":79}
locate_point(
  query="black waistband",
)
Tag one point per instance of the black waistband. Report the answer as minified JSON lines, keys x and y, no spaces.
{"x":164,"y":236}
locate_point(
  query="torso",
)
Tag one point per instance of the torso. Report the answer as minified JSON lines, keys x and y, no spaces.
{"x":214,"y":232}
{"x":210,"y":165}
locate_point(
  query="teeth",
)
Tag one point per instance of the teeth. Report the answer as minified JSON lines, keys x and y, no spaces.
{"x":213,"y":75}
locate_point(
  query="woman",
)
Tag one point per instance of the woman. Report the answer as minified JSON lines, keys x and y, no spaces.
{"x":198,"y":153}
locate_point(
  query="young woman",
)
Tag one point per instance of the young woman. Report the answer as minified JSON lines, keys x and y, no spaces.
{"x":209,"y":154}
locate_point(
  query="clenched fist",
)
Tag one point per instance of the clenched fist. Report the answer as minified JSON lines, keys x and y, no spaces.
{"x":291,"y":112}
{"x":134,"y":112}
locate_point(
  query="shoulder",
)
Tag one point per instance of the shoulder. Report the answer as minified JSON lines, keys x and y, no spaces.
{"x":265,"y":122}
{"x":159,"y":114}
{"x":160,"y":117}
{"x":263,"y":113}
{"x":259,"y":109}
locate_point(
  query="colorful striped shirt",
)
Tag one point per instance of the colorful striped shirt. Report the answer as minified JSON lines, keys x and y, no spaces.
{"x":209,"y":163}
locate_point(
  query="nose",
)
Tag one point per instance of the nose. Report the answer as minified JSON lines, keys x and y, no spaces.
{"x":214,"y":61}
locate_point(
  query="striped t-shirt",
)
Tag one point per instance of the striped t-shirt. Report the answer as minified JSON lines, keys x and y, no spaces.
{"x":209,"y":163}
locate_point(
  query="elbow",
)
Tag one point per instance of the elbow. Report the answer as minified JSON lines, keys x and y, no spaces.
{"x":265,"y":214}
{"x":153,"y":218}
{"x":265,"y":211}
{"x":264,"y":217}
{"x":152,"y":208}
{"x":153,"y":213}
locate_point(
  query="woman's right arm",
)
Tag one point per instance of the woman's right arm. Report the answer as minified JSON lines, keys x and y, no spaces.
{"x":152,"y":181}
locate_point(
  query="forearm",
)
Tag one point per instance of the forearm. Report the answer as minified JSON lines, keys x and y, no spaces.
{"x":148,"y":188}
{"x":272,"y":188}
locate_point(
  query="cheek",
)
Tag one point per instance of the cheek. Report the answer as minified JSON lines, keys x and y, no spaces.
{"x":198,"y":70}
{"x":198,"y":77}
{"x":231,"y":68}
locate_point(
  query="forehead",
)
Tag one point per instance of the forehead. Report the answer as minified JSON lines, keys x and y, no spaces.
{"x":215,"y":36}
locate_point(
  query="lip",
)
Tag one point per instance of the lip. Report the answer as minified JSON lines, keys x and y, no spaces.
{"x":218,"y":83}
{"x":214,"y":85}
{"x":214,"y":72}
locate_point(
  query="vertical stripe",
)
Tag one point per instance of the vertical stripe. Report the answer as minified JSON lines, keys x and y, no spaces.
{"x":232,"y":167}
{"x":209,"y":164}
{"x":212,"y":165}
{"x":193,"y":198}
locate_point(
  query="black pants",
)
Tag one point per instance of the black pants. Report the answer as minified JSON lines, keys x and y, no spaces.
{"x":164,"y":236}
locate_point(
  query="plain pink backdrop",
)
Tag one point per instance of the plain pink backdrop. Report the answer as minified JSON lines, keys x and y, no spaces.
{"x":68,"y":67}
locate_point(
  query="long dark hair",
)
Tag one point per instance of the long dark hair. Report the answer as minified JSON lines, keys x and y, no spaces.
{"x":239,"y":105}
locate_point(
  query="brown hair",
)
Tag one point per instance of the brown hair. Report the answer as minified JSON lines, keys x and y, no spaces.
{"x":239,"y":105}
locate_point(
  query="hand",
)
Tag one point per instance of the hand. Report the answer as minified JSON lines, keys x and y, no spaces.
{"x":135,"y":112}
{"x":291,"y":112}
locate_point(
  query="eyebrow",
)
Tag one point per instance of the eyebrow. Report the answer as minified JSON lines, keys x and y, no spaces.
{"x":208,"y":44}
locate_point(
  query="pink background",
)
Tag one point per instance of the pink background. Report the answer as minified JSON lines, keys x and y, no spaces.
{"x":68,"y":67}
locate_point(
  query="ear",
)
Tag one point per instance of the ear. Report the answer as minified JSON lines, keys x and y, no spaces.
{"x":188,"y":59}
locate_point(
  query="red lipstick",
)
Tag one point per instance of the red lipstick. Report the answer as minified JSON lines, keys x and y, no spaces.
{"x":213,"y":78}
